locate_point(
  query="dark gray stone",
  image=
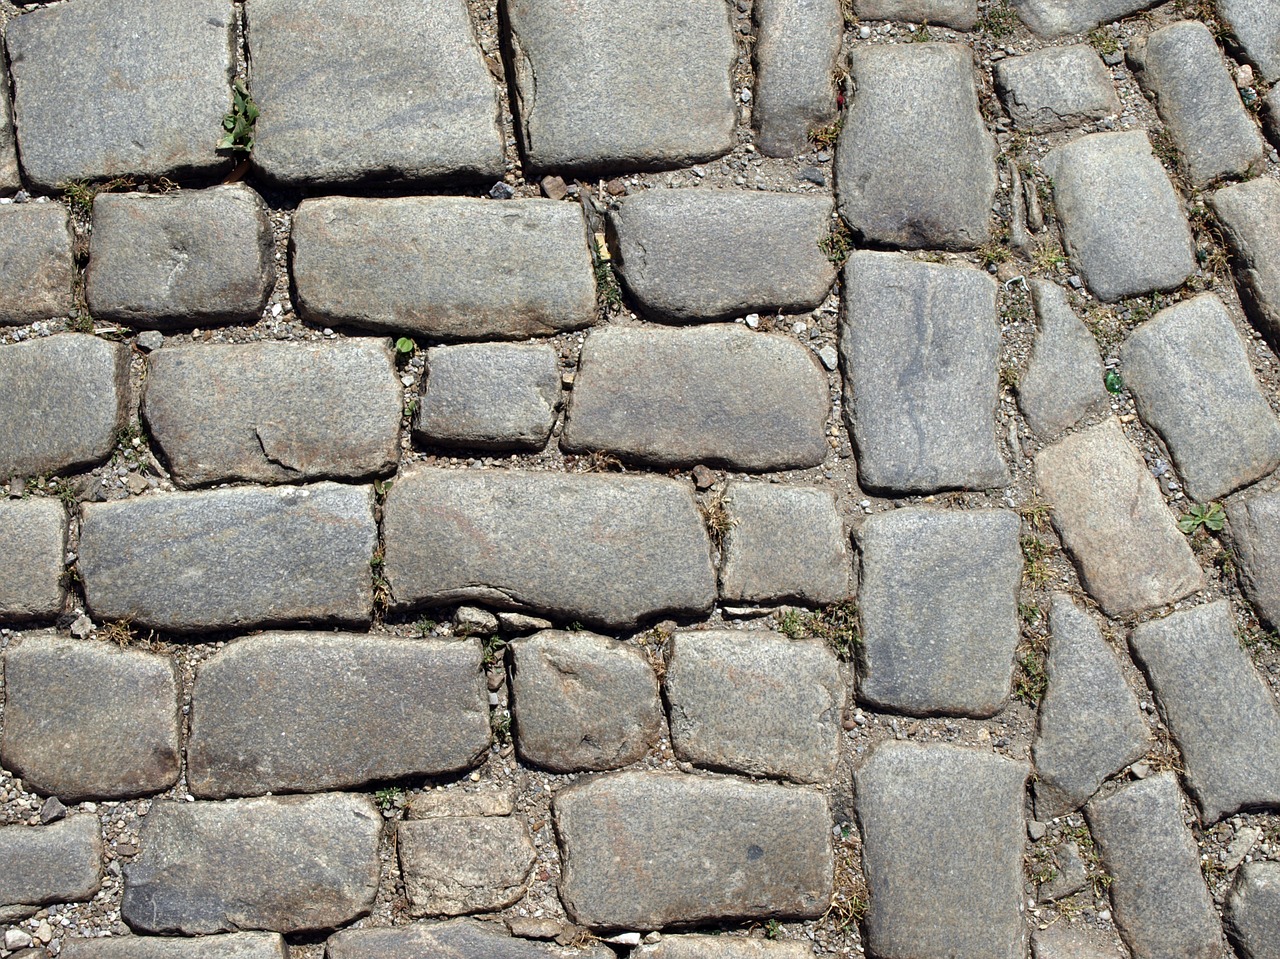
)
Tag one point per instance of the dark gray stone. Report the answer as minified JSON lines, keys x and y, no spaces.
{"x":1271,"y":115}
{"x":1064,"y":380}
{"x":716,"y":946}
{"x":942,"y":835}
{"x":457,"y":939}
{"x":958,"y":14}
{"x":1250,"y":217}
{"x":231,"y":559}
{"x":33,"y":542}
{"x":1252,"y":914}
{"x":797,"y":45}
{"x":36,"y":268}
{"x":45,"y":864}
{"x":1070,"y":874}
{"x":1057,"y":18}
{"x":1255,"y":24}
{"x":242,"y":945}
{"x":1255,"y":534}
{"x":921,"y":407}
{"x":455,"y":865}
{"x":1056,"y":88}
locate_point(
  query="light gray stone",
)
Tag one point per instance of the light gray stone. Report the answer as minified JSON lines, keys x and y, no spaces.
{"x":1070,"y":873}
{"x":241,"y":945}
{"x":1255,"y":534}
{"x":36,"y":268}
{"x":797,"y":45}
{"x":33,"y":541}
{"x":1064,"y":380}
{"x":1255,"y":24}
{"x":457,"y":939}
{"x":1057,"y":18}
{"x":1056,"y":88}
{"x":445,"y":803}
{"x":45,"y":864}
{"x":1271,"y":115}
{"x":958,"y":14}
{"x":1252,"y":915}
{"x":1063,"y":941}
{"x":721,"y":947}
{"x":1250,"y":217}
{"x":454,"y":865}
{"x":10,"y":176}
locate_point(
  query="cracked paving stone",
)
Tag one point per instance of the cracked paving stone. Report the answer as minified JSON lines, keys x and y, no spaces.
{"x":957,"y":14}
{"x":1064,"y":379}
{"x":797,"y":46}
{"x":40,"y":865}
{"x":36,"y":267}
{"x":1250,"y":217}
{"x":457,"y":939}
{"x":1255,"y":533}
{"x":241,"y":945}
{"x":1255,"y":25}
{"x":33,"y":542}
{"x":454,"y":865}
{"x":1056,"y":88}
{"x":1252,"y":914}
{"x":1058,"y":18}
{"x":721,"y":947}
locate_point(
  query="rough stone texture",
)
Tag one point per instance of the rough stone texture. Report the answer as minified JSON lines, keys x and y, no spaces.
{"x":939,"y":598}
{"x":651,"y":849}
{"x":707,"y":394}
{"x":1122,"y":222}
{"x":231,"y":559}
{"x":299,"y":712}
{"x":920,"y":346}
{"x":180,"y":259}
{"x":271,"y":412}
{"x":10,"y":177}
{"x":235,"y":866}
{"x":36,"y":268}
{"x":915,"y":166}
{"x":958,"y":14}
{"x":1256,"y":28}
{"x":66,"y":396}
{"x":1271,"y":114}
{"x":942,"y":834}
{"x":447,"y":267}
{"x":1061,"y":941}
{"x":1252,"y":914}
{"x":453,"y":865}
{"x":243,"y":945}
{"x":110,"y":87}
{"x":1255,"y":534}
{"x":431,"y":804}
{"x":1064,"y":379}
{"x":1056,"y":88}
{"x":1114,"y":522}
{"x":798,"y":43}
{"x":1057,"y":18}
{"x":1193,"y":382}
{"x":44,"y":864}
{"x":721,"y":947}
{"x":582,"y":701}
{"x":457,"y":939}
{"x":1229,"y":729}
{"x":602,"y":550}
{"x":1250,"y":217}
{"x":1089,"y":726}
{"x":351,"y":92}
{"x":704,"y":254}
{"x":33,"y":541}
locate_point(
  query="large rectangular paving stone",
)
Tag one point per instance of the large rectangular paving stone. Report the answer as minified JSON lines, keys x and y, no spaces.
{"x":1255,"y":534}
{"x":447,"y":267}
{"x":36,"y":267}
{"x":1250,"y":217}
{"x":457,"y":865}
{"x":958,"y":14}
{"x":1058,"y":18}
{"x":46,"y":864}
{"x":1255,"y":25}
{"x":33,"y":544}
{"x":231,"y":559}
{"x":456,"y":939}
{"x":236,"y":945}
{"x":797,"y":45}
{"x":1056,"y":88}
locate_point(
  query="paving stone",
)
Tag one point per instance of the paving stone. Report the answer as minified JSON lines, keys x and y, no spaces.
{"x":417,"y":102}
{"x":1064,"y":380}
{"x":784,"y":544}
{"x":270,"y":412}
{"x":1252,"y":914}
{"x":1122,"y":222}
{"x":717,"y":394}
{"x":942,"y":834}
{"x":721,"y":947}
{"x":1255,"y":534}
{"x":1057,"y":18}
{"x":797,"y":45}
{"x":270,"y":716}
{"x":703,"y":254}
{"x":582,"y":701}
{"x":1114,"y":523}
{"x":447,"y":267}
{"x":242,"y":945}
{"x":235,"y":866}
{"x":493,"y":396}
{"x":33,"y":541}
{"x":915,"y":167}
{"x":231,"y":559}
{"x":144,"y":93}
{"x":39,"y":865}
{"x":1056,"y":88}
{"x":66,"y":397}
{"x":1255,"y":26}
{"x":463,"y":864}
{"x":958,"y":14}
{"x":1228,"y":729}
{"x":1193,"y":383}
{"x":1158,"y":896}
{"x":1061,"y":941}
{"x":10,"y":176}
{"x":602,"y":550}
{"x":755,"y":703}
{"x":921,"y":407}
{"x":1271,"y":114}
{"x":458,"y":939}
{"x":1250,"y":217}
{"x":603,"y":84}
{"x":1070,"y":873}
{"x":36,"y":268}
{"x":180,"y":259}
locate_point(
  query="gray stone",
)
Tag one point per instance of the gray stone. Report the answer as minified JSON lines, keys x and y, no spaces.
{"x":1122,"y":222}
{"x":1064,"y":380}
{"x":1193,"y":383}
{"x":242,"y":945}
{"x":1227,"y":728}
{"x":36,"y":268}
{"x":721,"y":947}
{"x":915,"y":166}
{"x":582,"y":701}
{"x":232,"y":558}
{"x":444,"y":803}
{"x":703,"y":254}
{"x":298,"y":712}
{"x":109,"y":88}
{"x":454,"y":865}
{"x":1070,"y":873}
{"x":602,"y":550}
{"x":1114,"y":523}
{"x":447,"y":267}
{"x":33,"y":541}
{"x":348,"y":93}
{"x":10,"y":176}
{"x":755,"y":703}
{"x":179,"y":259}
{"x":1057,"y":18}
{"x":942,"y":835}
{"x":1063,"y":941}
{"x":1271,"y":115}
{"x":715,"y":394}
{"x":1252,"y":914}
{"x":650,"y":849}
{"x":958,"y":14}
{"x":492,"y":396}
{"x":1255,"y":534}
{"x":920,"y":345}
{"x":457,"y":939}
{"x":1250,"y":217}
{"x":1056,"y":88}
{"x":66,"y":397}
{"x":473,"y":621}
{"x":939,"y":604}
{"x":1255,"y":24}
{"x":797,"y":45}
{"x":45,"y":864}
{"x":270,"y":412}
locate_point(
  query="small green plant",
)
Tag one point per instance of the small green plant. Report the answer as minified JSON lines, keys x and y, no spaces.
{"x":922,"y":35}
{"x":381,"y":588}
{"x":1113,"y":381}
{"x":1036,"y":513}
{"x":608,"y":292}
{"x":773,"y":929}
{"x":1210,"y":516}
{"x":837,"y":244}
{"x":1103,"y":41}
{"x":238,"y":125}
{"x":494,"y":648}
{"x":836,"y":625}
{"x":1032,"y":679}
{"x":999,"y":21}
{"x":425,"y":626}
{"x":1047,"y":257}
{"x":405,"y":346}
{"x":388,"y":798}
{"x":1009,"y":377}
{"x":824,"y":138}
{"x":1030,"y":613}
{"x":1258,"y":639}
{"x":718,"y":521}
{"x":500,"y":722}
{"x":1035,"y":552}
{"x":995,"y":252}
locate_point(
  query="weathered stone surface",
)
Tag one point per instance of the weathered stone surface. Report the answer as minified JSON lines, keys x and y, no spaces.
{"x":1064,"y":379}
{"x":582,"y":701}
{"x":1228,"y":729}
{"x":915,"y":166}
{"x":1121,"y":220}
{"x":1057,"y":18}
{"x":447,"y":267}
{"x":492,"y":396}
{"x":231,"y":559}
{"x":942,"y":835}
{"x":417,"y":102}
{"x":920,"y":346}
{"x":1193,"y":382}
{"x":939,"y":600}
{"x":185,"y":258}
{"x":1056,"y":88}
{"x":307,"y":712}
{"x":44,"y":864}
{"x":1271,"y":114}
{"x":66,"y":396}
{"x":109,"y":87}
{"x":1061,"y":941}
{"x":1252,"y":915}
{"x":959,"y":14}
{"x":10,"y":177}
{"x":1250,"y":217}
{"x":703,"y":254}
{"x":453,"y":802}
{"x":270,"y":412}
{"x":1070,"y":874}
{"x":798,"y":43}
{"x":647,"y":850}
{"x":36,"y":269}
{"x":454,"y":865}
{"x":721,"y":947}
{"x":242,"y":945}
{"x":706,"y":394}
{"x":1255,"y":25}
{"x":1114,"y":522}
{"x":112,"y":731}
{"x":458,"y":939}
{"x":33,"y":541}
{"x":1255,"y":534}
{"x":602,"y":550}
{"x":235,"y":866}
